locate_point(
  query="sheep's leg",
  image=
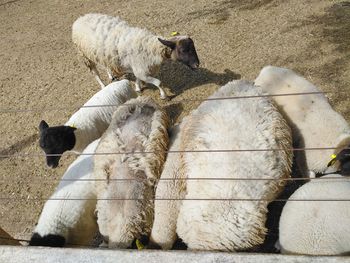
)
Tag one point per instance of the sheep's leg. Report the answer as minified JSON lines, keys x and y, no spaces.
{"x":109,"y":73}
{"x":92,"y":66}
{"x":138,"y":85}
{"x":165,"y":218}
{"x":97,"y":77}
{"x":156,"y":82}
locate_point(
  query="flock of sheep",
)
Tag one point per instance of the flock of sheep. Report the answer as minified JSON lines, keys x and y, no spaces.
{"x":206,"y":181}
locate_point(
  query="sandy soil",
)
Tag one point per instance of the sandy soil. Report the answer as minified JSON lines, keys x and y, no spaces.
{"x":234,"y":39}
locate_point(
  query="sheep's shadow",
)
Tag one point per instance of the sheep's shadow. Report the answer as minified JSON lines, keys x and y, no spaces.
{"x":179,"y":78}
{"x":9,"y":2}
{"x":173,"y":111}
{"x":17,"y":147}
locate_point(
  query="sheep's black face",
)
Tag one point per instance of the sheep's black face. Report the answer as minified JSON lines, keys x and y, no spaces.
{"x":55,"y":140}
{"x":344,"y":158}
{"x":47,"y":241}
{"x":183,"y":50}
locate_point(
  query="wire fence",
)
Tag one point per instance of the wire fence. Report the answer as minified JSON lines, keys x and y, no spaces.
{"x":300,"y":179}
{"x":41,"y":179}
{"x":26,"y":155}
{"x":76,"y":107}
{"x":176,"y":199}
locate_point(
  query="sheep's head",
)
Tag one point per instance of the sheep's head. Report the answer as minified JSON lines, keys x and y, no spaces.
{"x":183,"y":50}
{"x":55,"y":140}
{"x":344,"y":158}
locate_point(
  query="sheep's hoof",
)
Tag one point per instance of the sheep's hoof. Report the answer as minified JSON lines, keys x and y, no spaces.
{"x":138,"y":89}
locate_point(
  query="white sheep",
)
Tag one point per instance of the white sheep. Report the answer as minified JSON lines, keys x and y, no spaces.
{"x":166,"y":212}
{"x":85,"y":125}
{"x":314,"y":123}
{"x":70,"y":222}
{"x":139,"y":126}
{"x":112,"y":43}
{"x":317,"y":227}
{"x":224,"y":125}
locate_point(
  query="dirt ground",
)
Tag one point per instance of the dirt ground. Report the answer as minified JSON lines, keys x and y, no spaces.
{"x":234,"y":39}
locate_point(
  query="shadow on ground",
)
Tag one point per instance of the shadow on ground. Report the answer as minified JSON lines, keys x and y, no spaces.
{"x":221,"y":11}
{"x":18,"y":146}
{"x":334,"y":26}
{"x":179,"y":78}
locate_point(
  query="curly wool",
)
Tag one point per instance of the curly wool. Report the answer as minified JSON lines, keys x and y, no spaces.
{"x":319,"y":227}
{"x":139,"y":126}
{"x":233,"y":124}
{"x":111,"y":42}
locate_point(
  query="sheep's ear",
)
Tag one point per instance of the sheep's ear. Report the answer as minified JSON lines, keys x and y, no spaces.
{"x":43,"y":125}
{"x":73,"y":128}
{"x":167,"y":43}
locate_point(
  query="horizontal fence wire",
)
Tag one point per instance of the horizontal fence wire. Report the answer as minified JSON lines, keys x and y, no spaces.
{"x":11,"y":110}
{"x":343,"y":179}
{"x":24,"y":155}
{"x":174,"y":199}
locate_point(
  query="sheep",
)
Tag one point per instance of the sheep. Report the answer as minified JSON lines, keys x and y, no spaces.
{"x":139,"y":126}
{"x":85,"y":125}
{"x":70,"y":222}
{"x":317,"y":227}
{"x":111,"y":42}
{"x":314,"y":123}
{"x":227,"y":125}
{"x":163,"y":231}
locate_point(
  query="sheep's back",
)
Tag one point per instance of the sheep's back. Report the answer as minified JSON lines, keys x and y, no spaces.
{"x":110,"y":41}
{"x":93,"y":120}
{"x":91,"y":34}
{"x":317,"y":227}
{"x":315,"y":124}
{"x":232,"y":125}
{"x":139,"y":126}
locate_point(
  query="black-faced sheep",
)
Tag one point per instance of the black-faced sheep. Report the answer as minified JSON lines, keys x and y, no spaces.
{"x":70,"y":222}
{"x":85,"y":125}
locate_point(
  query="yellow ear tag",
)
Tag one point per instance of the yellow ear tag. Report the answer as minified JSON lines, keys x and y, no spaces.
{"x":174,"y":33}
{"x":139,"y":245}
{"x":333,"y":160}
{"x":73,"y":126}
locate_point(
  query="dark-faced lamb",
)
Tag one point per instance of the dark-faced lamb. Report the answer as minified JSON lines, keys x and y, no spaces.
{"x":68,"y":219}
{"x":314,"y":123}
{"x":210,"y":171}
{"x":126,"y":192}
{"x":120,"y":48}
{"x":85,"y":125}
